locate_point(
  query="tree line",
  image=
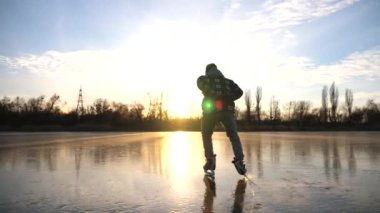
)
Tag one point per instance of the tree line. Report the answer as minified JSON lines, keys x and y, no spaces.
{"x":301,"y":114}
{"x":103,"y":114}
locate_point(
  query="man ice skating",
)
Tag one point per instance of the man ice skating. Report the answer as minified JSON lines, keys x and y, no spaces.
{"x":218,"y":106}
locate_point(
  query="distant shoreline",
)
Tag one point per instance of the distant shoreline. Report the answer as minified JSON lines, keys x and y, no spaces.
{"x":110,"y":128}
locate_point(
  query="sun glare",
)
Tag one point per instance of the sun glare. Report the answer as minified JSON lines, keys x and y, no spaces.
{"x":183,"y":103}
{"x":169,"y":56}
{"x":179,"y":153}
{"x":182,"y":153}
{"x":178,"y":105}
{"x":178,"y":109}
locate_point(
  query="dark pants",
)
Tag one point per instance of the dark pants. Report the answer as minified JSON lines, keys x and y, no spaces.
{"x":228,"y":120}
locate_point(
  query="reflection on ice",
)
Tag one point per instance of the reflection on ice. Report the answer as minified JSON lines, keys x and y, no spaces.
{"x":210,"y":194}
{"x":239,"y":195}
{"x":163,"y":172}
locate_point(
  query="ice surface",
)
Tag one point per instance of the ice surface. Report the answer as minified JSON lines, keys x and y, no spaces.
{"x":162,"y":172}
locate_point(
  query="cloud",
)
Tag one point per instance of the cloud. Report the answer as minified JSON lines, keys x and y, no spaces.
{"x":122,"y":65}
{"x":33,"y":63}
{"x":273,"y":18}
{"x":171,"y":54}
{"x":52,"y":62}
{"x":162,"y":47}
{"x":160,"y":41}
{"x":359,"y":64}
{"x":284,"y":13}
{"x":232,"y":7}
{"x":303,"y":72}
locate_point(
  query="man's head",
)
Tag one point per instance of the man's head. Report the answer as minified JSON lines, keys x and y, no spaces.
{"x":210,"y":66}
{"x":211,"y":69}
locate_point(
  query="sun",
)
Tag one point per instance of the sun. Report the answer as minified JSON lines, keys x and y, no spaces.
{"x":184,"y":103}
{"x":177,"y":110}
{"x":180,"y":110}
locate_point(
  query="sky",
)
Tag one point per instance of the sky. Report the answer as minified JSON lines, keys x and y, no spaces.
{"x":132,"y":51}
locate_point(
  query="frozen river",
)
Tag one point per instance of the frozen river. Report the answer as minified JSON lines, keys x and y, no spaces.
{"x":162,"y":172}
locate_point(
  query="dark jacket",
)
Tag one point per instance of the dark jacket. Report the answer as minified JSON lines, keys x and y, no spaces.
{"x":219,"y":92}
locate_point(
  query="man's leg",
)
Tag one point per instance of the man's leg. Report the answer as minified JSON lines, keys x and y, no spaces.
{"x":231,"y":130}
{"x":208,"y":123}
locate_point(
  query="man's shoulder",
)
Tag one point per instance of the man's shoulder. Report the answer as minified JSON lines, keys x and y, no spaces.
{"x":211,"y":79}
{"x":201,"y":77}
{"x":201,"y":82}
{"x":229,"y":81}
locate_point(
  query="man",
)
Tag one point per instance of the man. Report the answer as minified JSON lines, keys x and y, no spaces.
{"x":218,"y":106}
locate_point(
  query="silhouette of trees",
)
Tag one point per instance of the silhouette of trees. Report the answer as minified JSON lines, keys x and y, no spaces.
{"x":156,"y":110}
{"x":18,"y":105}
{"x":334,"y":97}
{"x":259,"y":95}
{"x":5,"y":110}
{"x":162,"y":114}
{"x":41,"y":111}
{"x":371,"y":112}
{"x":357,"y":116}
{"x":119,"y":113}
{"x":51,"y":105}
{"x":100,"y":110}
{"x":324,"y":107}
{"x":248,"y":105}
{"x":349,"y":101}
{"x":35,"y":105}
{"x":100,"y":107}
{"x":369,"y":115}
{"x":274,"y":110}
{"x":136,"y":112}
{"x":33,"y":111}
{"x":301,"y":111}
{"x":288,"y":110}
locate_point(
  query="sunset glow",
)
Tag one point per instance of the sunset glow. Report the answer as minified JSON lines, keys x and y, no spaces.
{"x":125,"y":50}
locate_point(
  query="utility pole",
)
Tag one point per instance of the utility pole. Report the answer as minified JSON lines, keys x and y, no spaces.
{"x":80,"y":108}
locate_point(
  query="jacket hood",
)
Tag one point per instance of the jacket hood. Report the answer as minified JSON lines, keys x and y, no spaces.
{"x":214,"y":72}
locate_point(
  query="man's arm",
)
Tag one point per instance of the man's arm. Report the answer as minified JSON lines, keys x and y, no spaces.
{"x":237,"y":92}
{"x":201,"y":82}
{"x":203,"y":85}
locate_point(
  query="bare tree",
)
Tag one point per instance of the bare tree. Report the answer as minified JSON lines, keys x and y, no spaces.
{"x":349,"y":102}
{"x":5,"y":105}
{"x":160,"y":111}
{"x":18,"y":104}
{"x":120,"y":110}
{"x":271,"y":109}
{"x":248,"y":105}
{"x":334,"y":96}
{"x":274,"y":110}
{"x":277,"y":112}
{"x":371,"y":112}
{"x":301,"y":110}
{"x":259,"y":95}
{"x":239,"y":115}
{"x":136,"y":112}
{"x":324,"y":107}
{"x":153,"y":108}
{"x":101,"y":107}
{"x":51,"y":104}
{"x":35,"y":104}
{"x":288,"y":110}
{"x":155,"y":111}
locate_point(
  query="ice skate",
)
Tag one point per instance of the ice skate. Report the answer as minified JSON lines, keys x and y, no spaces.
{"x":209,"y":167}
{"x":240,"y":166}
